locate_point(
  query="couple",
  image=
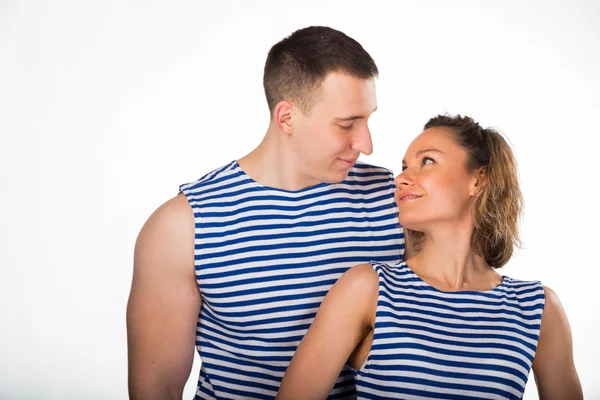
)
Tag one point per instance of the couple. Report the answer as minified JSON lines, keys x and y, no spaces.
{"x":239,"y":262}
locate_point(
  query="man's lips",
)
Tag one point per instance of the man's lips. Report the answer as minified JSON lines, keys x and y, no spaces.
{"x":350,"y":162}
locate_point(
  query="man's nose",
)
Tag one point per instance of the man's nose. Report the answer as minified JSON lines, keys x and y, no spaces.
{"x":362,"y":142}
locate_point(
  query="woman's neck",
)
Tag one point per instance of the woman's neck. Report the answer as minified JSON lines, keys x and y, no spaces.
{"x":448,"y":261}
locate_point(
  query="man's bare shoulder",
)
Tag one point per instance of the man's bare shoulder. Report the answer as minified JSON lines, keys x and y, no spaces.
{"x":167,"y":238}
{"x":176,"y":210}
{"x":175,"y":216}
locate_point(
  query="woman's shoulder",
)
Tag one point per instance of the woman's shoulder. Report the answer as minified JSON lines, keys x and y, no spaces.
{"x":361,"y":281}
{"x":523,"y":288}
{"x":553,"y":305}
{"x":361,"y":275}
{"x":381,"y":266}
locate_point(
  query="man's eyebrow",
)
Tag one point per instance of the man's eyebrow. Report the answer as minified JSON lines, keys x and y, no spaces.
{"x":353,"y":117}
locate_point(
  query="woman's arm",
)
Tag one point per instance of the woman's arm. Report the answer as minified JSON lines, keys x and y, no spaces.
{"x":553,"y":365}
{"x":345,"y":318}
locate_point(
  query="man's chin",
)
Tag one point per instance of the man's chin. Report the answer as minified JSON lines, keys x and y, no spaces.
{"x":336,"y":177}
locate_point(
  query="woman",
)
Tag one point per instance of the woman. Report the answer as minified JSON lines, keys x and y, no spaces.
{"x":444,"y":324}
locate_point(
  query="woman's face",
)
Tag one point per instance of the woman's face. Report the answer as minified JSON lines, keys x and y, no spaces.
{"x":434,"y":186}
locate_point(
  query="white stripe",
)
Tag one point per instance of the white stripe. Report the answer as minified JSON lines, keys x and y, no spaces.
{"x":403,"y":385}
{"x":290,"y":262}
{"x":458,"y":331}
{"x":444,"y":369}
{"x":450,"y":320}
{"x":448,"y":380}
{"x":446,"y":306}
{"x":513,"y":343}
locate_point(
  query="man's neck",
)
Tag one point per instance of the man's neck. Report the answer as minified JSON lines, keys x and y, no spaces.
{"x":273,"y":164}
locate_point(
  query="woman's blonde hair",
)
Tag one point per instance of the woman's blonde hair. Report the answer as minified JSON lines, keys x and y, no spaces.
{"x":498,"y":203}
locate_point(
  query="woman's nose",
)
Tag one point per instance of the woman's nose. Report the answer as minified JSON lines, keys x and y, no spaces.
{"x":405,"y":178}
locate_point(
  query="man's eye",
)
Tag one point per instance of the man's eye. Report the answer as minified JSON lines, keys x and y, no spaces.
{"x":404,"y":167}
{"x":346,"y":127}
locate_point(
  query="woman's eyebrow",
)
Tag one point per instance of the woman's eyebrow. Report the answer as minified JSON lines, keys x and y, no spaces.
{"x":426,"y":150}
{"x":418,"y":153}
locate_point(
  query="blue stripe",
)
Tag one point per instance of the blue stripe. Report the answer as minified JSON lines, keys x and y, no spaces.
{"x":208,"y":316}
{"x":288,"y":318}
{"x":474,"y":345}
{"x":294,"y":266}
{"x":463,"y":335}
{"x":415,"y":318}
{"x":296,"y":224}
{"x":245,"y":314}
{"x":317,"y":213}
{"x":445,"y":374}
{"x":284,"y":278}
{"x":455,"y":301}
{"x":241,"y":393}
{"x":448,"y":352}
{"x":294,"y":235}
{"x":250,"y":374}
{"x":446,"y":363}
{"x":210,"y":187}
{"x":210,"y":201}
{"x":294,"y":245}
{"x":267,"y":300}
{"x":243,"y":362}
{"x":269,"y":289}
{"x":465,"y":318}
{"x":401,"y":274}
{"x":266,"y":357}
{"x":493,"y":308}
{"x":430,"y":394}
{"x":370,"y":174}
{"x":222,"y":330}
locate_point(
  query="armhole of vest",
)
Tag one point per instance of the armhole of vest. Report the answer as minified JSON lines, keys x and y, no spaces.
{"x":365,"y":367}
{"x":543,"y":292}
{"x":183,"y":191}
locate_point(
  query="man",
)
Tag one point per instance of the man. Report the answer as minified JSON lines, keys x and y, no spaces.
{"x":239,"y":262}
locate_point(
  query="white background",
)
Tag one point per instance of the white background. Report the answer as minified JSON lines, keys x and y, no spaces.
{"x":107,"y":106}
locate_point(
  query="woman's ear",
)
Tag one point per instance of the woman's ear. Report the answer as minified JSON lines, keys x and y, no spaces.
{"x":478,"y":181}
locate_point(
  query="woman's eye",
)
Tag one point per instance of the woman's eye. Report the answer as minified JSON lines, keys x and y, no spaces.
{"x":427,"y":160}
{"x":403,"y":167}
{"x":346,"y":127}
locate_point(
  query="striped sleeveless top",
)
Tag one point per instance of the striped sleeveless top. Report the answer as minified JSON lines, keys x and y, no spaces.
{"x":429,"y":344}
{"x":264,"y":260}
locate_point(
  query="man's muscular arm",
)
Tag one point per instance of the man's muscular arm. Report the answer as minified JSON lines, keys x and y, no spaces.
{"x":163,"y":304}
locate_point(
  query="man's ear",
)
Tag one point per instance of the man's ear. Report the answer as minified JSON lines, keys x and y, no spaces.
{"x":479,"y":180}
{"x":282,"y":116}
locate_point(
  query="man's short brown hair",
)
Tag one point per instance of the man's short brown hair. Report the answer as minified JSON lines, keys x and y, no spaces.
{"x":297,"y":65}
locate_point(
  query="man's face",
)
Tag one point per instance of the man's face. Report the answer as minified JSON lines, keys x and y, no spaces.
{"x":329,"y":140}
